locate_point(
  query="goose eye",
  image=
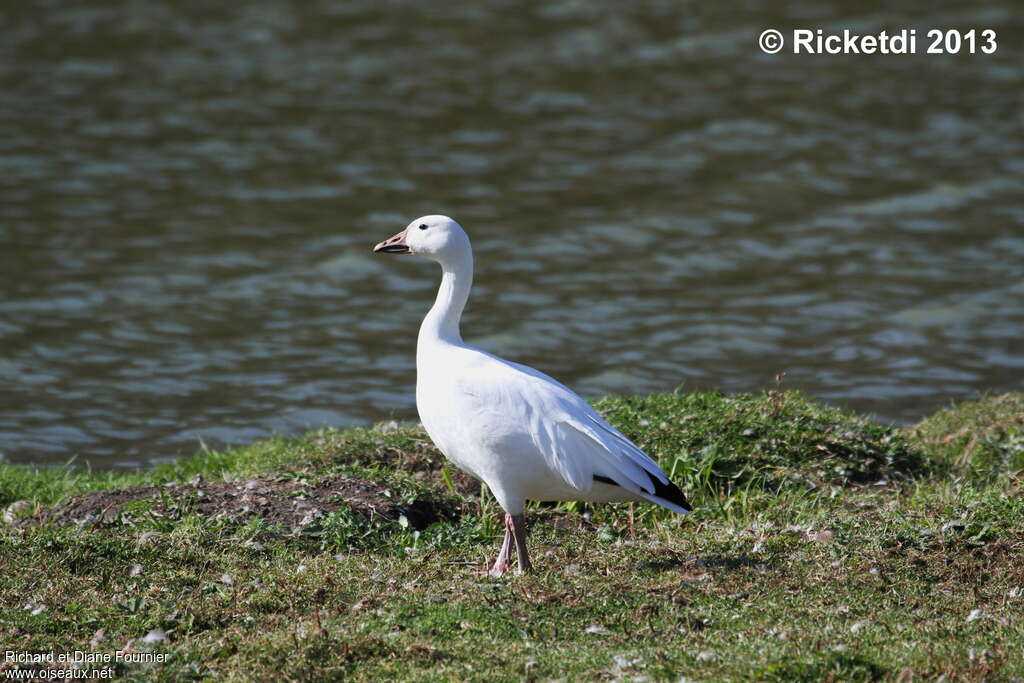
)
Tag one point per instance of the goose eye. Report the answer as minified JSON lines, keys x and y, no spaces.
{"x":423,"y":226}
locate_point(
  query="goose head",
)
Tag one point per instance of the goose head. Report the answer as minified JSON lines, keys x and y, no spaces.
{"x":438,"y":238}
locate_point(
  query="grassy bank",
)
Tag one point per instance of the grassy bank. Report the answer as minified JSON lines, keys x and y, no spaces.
{"x":825,"y":545}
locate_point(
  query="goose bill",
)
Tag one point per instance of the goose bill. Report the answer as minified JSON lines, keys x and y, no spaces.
{"x":393,"y":245}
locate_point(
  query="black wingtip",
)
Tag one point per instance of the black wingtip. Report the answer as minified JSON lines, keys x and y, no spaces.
{"x":669,"y":491}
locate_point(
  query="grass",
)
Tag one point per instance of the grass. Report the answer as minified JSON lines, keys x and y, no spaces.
{"x":825,"y":547}
{"x":985,"y":438}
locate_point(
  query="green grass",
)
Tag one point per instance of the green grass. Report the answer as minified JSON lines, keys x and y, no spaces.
{"x":824,"y":547}
{"x":985,"y":438}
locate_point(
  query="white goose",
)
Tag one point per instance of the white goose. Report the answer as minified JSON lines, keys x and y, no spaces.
{"x":522,"y":433}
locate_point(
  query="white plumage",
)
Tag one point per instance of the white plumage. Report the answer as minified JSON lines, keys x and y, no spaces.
{"x":522,"y":433}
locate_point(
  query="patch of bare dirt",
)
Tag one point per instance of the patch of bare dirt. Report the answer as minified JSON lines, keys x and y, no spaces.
{"x":285,"y":501}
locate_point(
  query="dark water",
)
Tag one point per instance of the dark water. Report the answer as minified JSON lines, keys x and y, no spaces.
{"x":189,"y":192}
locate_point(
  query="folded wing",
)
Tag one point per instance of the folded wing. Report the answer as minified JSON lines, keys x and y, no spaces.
{"x":576,"y":442}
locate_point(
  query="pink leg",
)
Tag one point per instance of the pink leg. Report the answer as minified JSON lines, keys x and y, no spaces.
{"x":501,"y":564}
{"x":518,"y":526}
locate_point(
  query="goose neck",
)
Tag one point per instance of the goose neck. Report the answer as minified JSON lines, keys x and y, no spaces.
{"x":442,"y":322}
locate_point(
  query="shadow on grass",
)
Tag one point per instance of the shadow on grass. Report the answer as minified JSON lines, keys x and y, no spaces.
{"x":834,"y":666}
{"x":717,"y":561}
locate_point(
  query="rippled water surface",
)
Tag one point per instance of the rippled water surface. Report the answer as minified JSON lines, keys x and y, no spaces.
{"x":189,"y":192}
